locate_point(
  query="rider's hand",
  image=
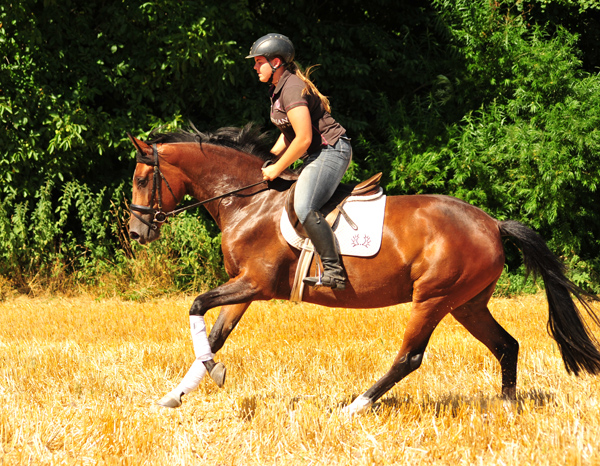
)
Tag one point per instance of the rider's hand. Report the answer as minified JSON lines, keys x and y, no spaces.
{"x":271,"y":172}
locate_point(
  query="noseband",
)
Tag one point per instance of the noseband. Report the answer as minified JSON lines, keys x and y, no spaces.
{"x":158,"y":215}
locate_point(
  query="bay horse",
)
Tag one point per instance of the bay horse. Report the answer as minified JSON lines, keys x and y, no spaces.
{"x":438,"y":252}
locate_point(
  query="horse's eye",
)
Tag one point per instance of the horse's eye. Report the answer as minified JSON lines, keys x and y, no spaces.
{"x":142,"y":182}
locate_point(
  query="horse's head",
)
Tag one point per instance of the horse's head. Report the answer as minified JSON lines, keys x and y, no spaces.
{"x":156,"y":193}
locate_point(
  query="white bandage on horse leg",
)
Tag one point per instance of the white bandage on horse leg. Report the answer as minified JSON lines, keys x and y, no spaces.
{"x":191,"y":380}
{"x":199,"y":338}
{"x":197,"y":371}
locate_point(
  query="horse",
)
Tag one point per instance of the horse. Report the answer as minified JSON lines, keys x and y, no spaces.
{"x":438,"y":252}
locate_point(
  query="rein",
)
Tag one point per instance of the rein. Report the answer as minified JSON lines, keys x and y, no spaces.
{"x":159,"y":216}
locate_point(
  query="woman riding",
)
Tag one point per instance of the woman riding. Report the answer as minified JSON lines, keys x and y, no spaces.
{"x":308,"y":131}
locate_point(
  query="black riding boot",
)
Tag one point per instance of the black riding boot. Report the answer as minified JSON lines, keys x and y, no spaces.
{"x":320,"y":233}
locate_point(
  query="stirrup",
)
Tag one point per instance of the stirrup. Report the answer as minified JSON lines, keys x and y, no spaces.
{"x":333,"y":283}
{"x":315,"y":281}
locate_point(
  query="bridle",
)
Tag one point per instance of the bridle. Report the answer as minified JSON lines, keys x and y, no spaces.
{"x":158,"y":215}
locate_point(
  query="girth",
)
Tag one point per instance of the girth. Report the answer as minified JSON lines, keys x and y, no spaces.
{"x":334,"y":207}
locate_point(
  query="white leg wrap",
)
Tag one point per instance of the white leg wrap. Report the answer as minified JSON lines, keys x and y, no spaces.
{"x":197,"y":371}
{"x":360,"y":405}
{"x":199,"y":338}
{"x":191,"y":380}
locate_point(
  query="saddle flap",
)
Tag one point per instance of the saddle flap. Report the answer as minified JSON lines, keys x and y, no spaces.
{"x":344,"y":190}
{"x":358,"y":227}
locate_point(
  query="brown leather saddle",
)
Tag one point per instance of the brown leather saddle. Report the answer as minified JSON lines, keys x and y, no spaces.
{"x":333,"y":208}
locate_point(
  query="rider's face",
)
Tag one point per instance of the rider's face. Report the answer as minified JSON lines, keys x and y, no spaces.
{"x":262,"y":68}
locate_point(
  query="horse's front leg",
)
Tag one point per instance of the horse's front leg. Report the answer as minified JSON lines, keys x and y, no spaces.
{"x":231,"y":292}
{"x":238,"y":290}
{"x":226,"y":321}
{"x":225,"y":295}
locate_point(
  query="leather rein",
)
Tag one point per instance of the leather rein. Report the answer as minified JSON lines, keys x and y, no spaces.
{"x":158,"y":215}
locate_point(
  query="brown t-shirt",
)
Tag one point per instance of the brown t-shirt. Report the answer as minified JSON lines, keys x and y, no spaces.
{"x":287,"y":95}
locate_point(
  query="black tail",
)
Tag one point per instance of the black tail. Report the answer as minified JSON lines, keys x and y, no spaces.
{"x":579,"y":349}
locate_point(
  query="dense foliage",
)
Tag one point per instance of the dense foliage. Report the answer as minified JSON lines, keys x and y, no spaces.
{"x":493,"y":102}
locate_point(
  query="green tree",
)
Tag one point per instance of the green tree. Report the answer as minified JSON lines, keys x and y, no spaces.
{"x":489,"y":101}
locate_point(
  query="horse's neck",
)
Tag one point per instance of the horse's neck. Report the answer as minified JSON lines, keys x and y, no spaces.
{"x":215,"y":171}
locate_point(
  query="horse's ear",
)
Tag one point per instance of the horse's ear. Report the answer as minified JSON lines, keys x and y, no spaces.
{"x":140,"y":145}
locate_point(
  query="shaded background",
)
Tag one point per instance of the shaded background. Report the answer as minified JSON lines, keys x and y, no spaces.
{"x":492,"y":102}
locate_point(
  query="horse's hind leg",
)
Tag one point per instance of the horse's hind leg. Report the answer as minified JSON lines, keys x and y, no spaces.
{"x":477,"y":319}
{"x":423,"y":320}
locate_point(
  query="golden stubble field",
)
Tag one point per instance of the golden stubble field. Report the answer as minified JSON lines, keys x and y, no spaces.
{"x":79,"y":376}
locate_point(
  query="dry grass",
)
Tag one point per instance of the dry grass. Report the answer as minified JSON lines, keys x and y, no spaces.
{"x":78,"y":378}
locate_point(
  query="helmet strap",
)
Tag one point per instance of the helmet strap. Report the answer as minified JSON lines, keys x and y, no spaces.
{"x":273,"y":69}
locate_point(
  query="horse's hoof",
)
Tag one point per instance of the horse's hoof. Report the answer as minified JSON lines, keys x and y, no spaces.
{"x":218,"y":373}
{"x":509,"y":394}
{"x":168,"y":401}
{"x":358,"y":406}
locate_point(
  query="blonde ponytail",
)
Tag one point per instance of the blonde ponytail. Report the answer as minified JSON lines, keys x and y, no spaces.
{"x":310,"y":87}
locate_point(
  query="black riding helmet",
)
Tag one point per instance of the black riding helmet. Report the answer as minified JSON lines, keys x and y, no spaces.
{"x":273,"y":45}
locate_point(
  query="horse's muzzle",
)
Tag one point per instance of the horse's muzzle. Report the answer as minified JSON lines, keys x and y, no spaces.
{"x":134,"y":235}
{"x":140,"y":232}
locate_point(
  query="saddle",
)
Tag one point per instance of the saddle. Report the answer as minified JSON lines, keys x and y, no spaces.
{"x":334,"y":207}
{"x":332,"y":211}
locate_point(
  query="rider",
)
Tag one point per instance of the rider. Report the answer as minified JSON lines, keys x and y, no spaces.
{"x":308,"y":131}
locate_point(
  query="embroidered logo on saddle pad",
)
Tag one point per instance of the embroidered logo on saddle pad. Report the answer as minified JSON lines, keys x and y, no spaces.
{"x":361,"y":237}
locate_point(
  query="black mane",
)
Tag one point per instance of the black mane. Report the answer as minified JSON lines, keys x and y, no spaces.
{"x":249,"y":139}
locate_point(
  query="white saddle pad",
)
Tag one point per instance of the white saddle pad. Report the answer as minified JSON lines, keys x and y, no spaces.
{"x":366,"y":212}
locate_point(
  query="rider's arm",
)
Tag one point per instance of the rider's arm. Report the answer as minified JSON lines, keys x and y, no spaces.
{"x":280,"y":146}
{"x":300,"y":119}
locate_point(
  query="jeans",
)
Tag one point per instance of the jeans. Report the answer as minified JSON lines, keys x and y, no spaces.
{"x":321,"y":176}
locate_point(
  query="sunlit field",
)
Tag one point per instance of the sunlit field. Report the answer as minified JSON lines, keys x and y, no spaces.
{"x":79,"y":378}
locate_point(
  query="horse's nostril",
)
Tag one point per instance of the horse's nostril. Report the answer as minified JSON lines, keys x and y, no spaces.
{"x":134,"y":235}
